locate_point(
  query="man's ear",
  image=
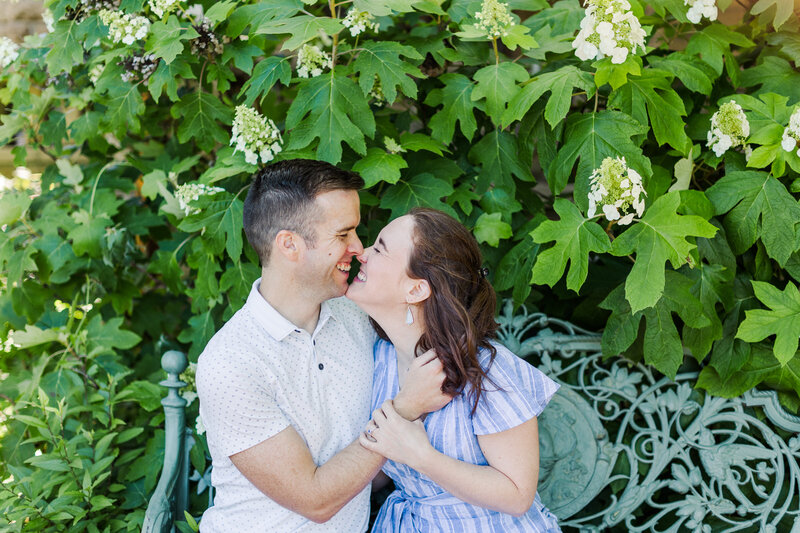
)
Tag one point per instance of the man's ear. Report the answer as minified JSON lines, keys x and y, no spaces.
{"x":419,"y":291}
{"x":287,"y":244}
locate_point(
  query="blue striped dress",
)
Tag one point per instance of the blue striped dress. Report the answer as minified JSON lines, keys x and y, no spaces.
{"x":420,"y":505}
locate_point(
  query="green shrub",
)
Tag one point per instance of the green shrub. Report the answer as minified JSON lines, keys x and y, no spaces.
{"x":130,"y":242}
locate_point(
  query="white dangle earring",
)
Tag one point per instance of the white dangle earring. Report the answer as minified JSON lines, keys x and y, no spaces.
{"x":409,"y":316}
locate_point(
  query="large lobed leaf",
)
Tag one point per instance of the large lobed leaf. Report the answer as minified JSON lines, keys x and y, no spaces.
{"x":782,"y":319}
{"x":382,"y":59}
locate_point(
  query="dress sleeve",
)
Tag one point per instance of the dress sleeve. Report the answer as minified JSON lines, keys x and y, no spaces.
{"x":237,"y":405}
{"x":514,"y":393}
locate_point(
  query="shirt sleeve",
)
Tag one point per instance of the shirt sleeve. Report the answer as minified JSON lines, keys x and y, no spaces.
{"x":237,"y":404}
{"x":515,"y":392}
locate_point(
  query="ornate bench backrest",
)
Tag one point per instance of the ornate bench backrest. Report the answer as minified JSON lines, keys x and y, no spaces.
{"x":620,"y":446}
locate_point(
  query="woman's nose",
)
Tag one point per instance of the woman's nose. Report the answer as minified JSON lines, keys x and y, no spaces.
{"x":362,"y":258}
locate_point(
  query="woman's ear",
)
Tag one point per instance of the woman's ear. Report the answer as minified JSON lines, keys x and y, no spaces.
{"x":286,"y":243}
{"x":419,"y":292}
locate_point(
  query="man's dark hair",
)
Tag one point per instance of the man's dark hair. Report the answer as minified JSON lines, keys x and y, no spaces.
{"x":282,"y":196}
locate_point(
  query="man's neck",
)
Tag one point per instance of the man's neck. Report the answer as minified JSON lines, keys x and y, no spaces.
{"x":289,"y":301}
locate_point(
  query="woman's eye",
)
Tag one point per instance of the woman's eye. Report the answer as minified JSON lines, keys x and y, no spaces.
{"x":376,"y":250}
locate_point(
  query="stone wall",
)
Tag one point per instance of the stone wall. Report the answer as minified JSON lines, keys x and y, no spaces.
{"x":21,"y":18}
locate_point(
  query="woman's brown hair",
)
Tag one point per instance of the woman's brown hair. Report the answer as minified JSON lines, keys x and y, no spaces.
{"x":459,"y":313}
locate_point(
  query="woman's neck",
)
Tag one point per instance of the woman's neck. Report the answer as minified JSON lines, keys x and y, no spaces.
{"x":404,"y":337}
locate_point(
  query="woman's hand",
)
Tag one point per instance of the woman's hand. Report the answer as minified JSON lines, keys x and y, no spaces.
{"x":394,"y":437}
{"x":422,"y":388}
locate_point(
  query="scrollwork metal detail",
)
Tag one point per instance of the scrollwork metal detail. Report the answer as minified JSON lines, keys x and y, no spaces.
{"x":667,"y":457}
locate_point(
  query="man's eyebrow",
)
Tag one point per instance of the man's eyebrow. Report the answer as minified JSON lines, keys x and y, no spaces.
{"x":345,"y":230}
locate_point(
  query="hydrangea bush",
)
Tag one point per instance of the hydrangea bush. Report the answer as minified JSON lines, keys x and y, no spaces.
{"x":628,"y":166}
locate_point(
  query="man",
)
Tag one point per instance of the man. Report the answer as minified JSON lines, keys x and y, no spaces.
{"x":285,"y":385}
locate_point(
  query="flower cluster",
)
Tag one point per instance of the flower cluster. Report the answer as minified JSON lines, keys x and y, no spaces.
{"x":494,"y":18}
{"x":162,"y":7}
{"x":124,"y":27}
{"x":609,"y":28}
{"x":791,"y":135}
{"x":206,"y":43}
{"x":189,"y":192}
{"x":359,"y":22}
{"x":729,"y":128}
{"x":616,"y":188}
{"x":376,"y":93}
{"x":95,"y":72}
{"x":137,"y":67}
{"x":701,"y":8}
{"x":49,"y":21}
{"x":188,"y":376}
{"x":312,"y":60}
{"x":9,"y":51}
{"x":255,"y":135}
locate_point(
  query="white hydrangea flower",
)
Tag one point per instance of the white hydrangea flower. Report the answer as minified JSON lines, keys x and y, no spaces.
{"x":359,"y":22}
{"x":791,"y":134}
{"x":124,"y":27}
{"x":729,"y":128}
{"x":609,"y":28}
{"x":701,"y":8}
{"x":189,"y":192}
{"x":95,"y":72}
{"x":9,"y":51}
{"x":311,"y":60}
{"x":616,"y":188}
{"x":199,"y":427}
{"x":195,"y":11}
{"x":162,"y":7}
{"x":49,"y":21}
{"x":255,"y":135}
{"x":494,"y":18}
{"x":392,"y":146}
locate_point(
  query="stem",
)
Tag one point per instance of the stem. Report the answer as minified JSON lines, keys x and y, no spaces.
{"x":496,"y":54}
{"x":355,"y":45}
{"x":96,"y":181}
{"x":332,"y":6}
{"x":596,"y":99}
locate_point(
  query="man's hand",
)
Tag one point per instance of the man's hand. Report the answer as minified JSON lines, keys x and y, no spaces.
{"x":422,"y":389}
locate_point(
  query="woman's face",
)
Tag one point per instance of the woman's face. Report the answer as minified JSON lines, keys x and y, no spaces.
{"x":382,"y":283}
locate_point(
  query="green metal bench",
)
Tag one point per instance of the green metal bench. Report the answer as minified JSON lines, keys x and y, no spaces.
{"x":621,"y":448}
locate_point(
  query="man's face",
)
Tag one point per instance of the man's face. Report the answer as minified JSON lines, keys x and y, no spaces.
{"x":325,"y":267}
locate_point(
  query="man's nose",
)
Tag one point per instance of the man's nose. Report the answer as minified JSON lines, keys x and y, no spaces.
{"x":362,"y":257}
{"x":356,"y":248}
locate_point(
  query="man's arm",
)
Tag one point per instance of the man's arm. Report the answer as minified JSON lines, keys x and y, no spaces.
{"x":282,"y":468}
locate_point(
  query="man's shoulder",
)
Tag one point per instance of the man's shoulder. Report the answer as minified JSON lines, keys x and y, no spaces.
{"x":229,"y":343}
{"x":344,"y":309}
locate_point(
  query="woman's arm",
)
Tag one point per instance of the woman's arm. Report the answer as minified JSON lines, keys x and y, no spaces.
{"x":507,"y":485}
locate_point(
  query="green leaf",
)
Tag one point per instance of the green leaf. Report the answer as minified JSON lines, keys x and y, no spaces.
{"x":33,"y":336}
{"x":107,"y":337}
{"x":165,"y":40}
{"x":788,"y":43}
{"x":499,"y":156}
{"x":760,"y":206}
{"x":13,"y":204}
{"x":332,"y":108}
{"x":660,"y":236}
{"x":237,"y":281}
{"x":560,"y":83}
{"x":302,"y":28}
{"x":168,"y":75}
{"x":201,"y":329}
{"x":254,"y":15}
{"x":518,"y":36}
{"x":380,"y":165}
{"x":269,"y":71}
{"x":574,"y":236}
{"x":653,"y":91}
{"x":144,"y":393}
{"x":782,"y":319}
{"x":490,"y":228}
{"x":713,"y":43}
{"x":697,"y":76}
{"x":422,"y":190}
{"x":498,"y":84}
{"x":87,"y":236}
{"x":614,"y":74}
{"x":713,"y":284}
{"x":515,"y":269}
{"x":457,"y":106}
{"x":783,"y":10}
{"x":201,"y":114}
{"x":221,"y":222}
{"x":242,"y":54}
{"x":124,"y":106}
{"x":588,"y":139}
{"x":382,"y":59}
{"x":774,"y":75}
{"x":419,"y":141}
{"x":661,"y":343}
{"x":219,"y":11}
{"x":64,"y":47}
{"x":760,"y":367}
{"x":564,"y":17}
{"x":549,"y":42}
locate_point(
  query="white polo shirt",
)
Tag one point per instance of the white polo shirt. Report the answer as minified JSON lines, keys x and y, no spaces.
{"x":259,"y":374}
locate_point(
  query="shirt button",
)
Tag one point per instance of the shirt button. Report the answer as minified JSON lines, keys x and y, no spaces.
{"x":321,"y":366}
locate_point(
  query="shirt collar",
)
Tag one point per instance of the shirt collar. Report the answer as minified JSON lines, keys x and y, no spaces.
{"x":277,"y":325}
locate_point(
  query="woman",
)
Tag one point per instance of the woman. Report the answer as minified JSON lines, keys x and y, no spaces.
{"x":473,"y":465}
